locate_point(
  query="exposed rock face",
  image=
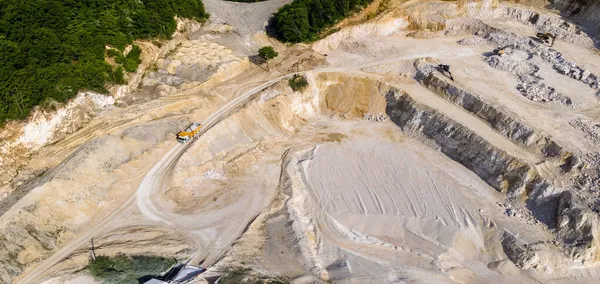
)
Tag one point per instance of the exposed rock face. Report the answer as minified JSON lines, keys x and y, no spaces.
{"x":502,"y":121}
{"x":19,"y":139}
{"x":497,"y":168}
{"x":586,"y":12}
{"x":578,"y":228}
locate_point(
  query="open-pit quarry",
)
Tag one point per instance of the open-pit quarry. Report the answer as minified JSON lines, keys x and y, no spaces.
{"x":381,"y":170}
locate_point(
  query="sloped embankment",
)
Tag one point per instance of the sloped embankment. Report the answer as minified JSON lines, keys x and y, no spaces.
{"x":505,"y":173}
{"x":500,"y":120}
{"x":335,"y":196}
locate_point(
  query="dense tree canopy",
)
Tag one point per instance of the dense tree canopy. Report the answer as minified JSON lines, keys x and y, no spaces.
{"x":50,"y":49}
{"x":246,"y":1}
{"x":303,"y":20}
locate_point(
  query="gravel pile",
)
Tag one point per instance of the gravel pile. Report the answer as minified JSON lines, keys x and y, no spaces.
{"x":590,"y":129}
{"x":518,"y":62}
{"x":473,"y":41}
{"x":569,"y":68}
{"x":540,"y":92}
{"x":376,"y":117}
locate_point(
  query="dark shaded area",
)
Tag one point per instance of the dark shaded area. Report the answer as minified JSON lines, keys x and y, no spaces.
{"x":544,"y":209}
{"x":578,"y":11}
{"x":51,"y":49}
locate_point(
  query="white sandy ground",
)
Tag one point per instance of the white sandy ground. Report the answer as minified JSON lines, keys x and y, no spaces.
{"x":393,"y":209}
{"x":396,"y":207}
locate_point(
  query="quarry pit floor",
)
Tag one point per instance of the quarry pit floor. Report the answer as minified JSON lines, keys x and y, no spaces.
{"x":324,"y":179}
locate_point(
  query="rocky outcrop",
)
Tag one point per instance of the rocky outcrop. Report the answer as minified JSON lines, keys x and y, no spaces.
{"x":578,"y":228}
{"x":549,"y":23}
{"x":500,"y":170}
{"x":586,"y":12}
{"x":500,"y":120}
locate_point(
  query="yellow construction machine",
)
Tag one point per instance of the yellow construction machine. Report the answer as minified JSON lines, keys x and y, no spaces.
{"x":189,"y":133}
{"x":503,"y":50}
{"x":545,"y":37}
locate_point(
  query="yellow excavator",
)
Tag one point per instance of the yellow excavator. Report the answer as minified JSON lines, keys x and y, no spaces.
{"x":501,"y":50}
{"x":189,"y":133}
{"x":545,"y":37}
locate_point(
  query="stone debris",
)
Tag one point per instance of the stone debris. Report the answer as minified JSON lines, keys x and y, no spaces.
{"x":376,"y":117}
{"x":564,"y":31}
{"x":540,"y":92}
{"x":569,"y":68}
{"x":519,"y":62}
{"x":526,"y":44}
{"x":473,"y":41}
{"x":590,"y":129}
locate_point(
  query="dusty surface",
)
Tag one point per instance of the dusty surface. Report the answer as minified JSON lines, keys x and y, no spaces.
{"x":382,"y":170}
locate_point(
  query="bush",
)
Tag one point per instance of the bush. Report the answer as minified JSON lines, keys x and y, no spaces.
{"x":298,"y":83}
{"x":112,"y":52}
{"x":51,"y":49}
{"x":117,"y":76}
{"x":303,"y":20}
{"x":132,"y":60}
{"x":127,"y":269}
{"x":267,"y":52}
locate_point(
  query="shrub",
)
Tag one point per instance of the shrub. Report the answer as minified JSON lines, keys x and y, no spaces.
{"x":298,"y":83}
{"x":127,"y":269}
{"x":132,"y":60}
{"x":267,"y":52}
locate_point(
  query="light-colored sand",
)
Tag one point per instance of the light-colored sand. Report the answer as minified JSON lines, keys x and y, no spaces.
{"x":395,"y":203}
{"x":359,"y":201}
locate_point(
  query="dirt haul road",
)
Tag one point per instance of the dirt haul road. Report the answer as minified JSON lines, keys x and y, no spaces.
{"x":142,"y":197}
{"x":145,"y":198}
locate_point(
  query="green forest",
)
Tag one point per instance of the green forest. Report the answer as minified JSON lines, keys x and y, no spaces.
{"x":303,"y":20}
{"x":246,"y":1}
{"x":51,"y":49}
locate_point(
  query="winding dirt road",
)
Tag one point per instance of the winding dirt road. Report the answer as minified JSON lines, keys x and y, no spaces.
{"x":144,"y":199}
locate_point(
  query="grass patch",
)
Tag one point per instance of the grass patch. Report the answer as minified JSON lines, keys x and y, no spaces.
{"x":127,"y":269}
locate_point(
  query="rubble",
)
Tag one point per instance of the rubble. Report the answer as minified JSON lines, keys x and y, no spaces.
{"x":473,"y":41}
{"x":540,"y":92}
{"x":590,"y":129}
{"x":376,"y":117}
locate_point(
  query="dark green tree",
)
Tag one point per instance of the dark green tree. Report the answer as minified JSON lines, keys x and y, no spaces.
{"x":267,"y":53}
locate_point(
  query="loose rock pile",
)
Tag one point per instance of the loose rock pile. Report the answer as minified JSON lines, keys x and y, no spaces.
{"x":526,"y":44}
{"x":375,"y":117}
{"x":591,"y":130}
{"x":569,"y":68}
{"x":518,"y":62}
{"x":540,"y":92}
{"x":473,"y":41}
